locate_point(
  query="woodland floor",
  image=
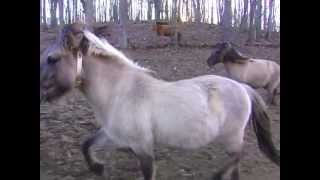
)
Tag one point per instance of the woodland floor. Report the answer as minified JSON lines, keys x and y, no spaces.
{"x":67,"y":123}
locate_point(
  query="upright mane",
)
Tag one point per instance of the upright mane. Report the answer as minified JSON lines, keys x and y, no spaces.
{"x":235,"y":56}
{"x":104,"y":48}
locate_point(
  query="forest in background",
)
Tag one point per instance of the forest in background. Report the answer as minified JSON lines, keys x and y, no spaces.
{"x":258,"y":18}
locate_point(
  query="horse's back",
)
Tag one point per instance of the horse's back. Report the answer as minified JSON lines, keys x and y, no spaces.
{"x":263,"y":72}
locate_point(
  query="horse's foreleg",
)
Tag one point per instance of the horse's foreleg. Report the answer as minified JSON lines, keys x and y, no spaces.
{"x":147,"y":166}
{"x":94,"y":166}
{"x":146,"y":159}
{"x":274,"y":95}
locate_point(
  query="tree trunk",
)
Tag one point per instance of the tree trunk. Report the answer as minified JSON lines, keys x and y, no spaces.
{"x":75,"y":11}
{"x":227,"y":21}
{"x":235,"y":18}
{"x":269,"y":29}
{"x":212,"y":7}
{"x":149,"y":10}
{"x":218,"y":11}
{"x":244,"y":18}
{"x":187,"y":9}
{"x":68,"y":12}
{"x":61,"y":12}
{"x":40,"y":11}
{"x":53,"y":13}
{"x":123,"y":11}
{"x":174,"y":37}
{"x":174,"y":10}
{"x":203,"y":11}
{"x":258,"y":19}
{"x":178,"y":11}
{"x":115,"y":12}
{"x":265,"y":15}
{"x":252,"y":32}
{"x":157,"y":9}
{"x":44,"y":14}
{"x":166,"y":10}
{"x":196,"y":9}
{"x":89,"y":11}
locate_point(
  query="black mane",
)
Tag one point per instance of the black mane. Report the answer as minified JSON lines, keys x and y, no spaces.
{"x":233,"y":55}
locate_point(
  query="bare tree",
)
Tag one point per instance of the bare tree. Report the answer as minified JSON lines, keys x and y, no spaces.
{"x":68,"y":12}
{"x":179,"y":8}
{"x":187,"y":9}
{"x":53,"y":13}
{"x":235,"y":17}
{"x":227,"y":21}
{"x":196,"y":9}
{"x":75,"y":10}
{"x":258,"y":17}
{"x":252,"y":32}
{"x":212,"y":7}
{"x":271,"y":11}
{"x":203,"y":11}
{"x":123,"y":11}
{"x":265,"y":14}
{"x":149,"y":10}
{"x":40,"y":11}
{"x":130,"y":9}
{"x":220,"y":10}
{"x":244,"y":18}
{"x":166,"y":10}
{"x":174,"y":38}
{"x":61,"y":11}
{"x":115,"y":11}
{"x":157,"y":8}
{"x":89,"y":11}
{"x":44,"y":14}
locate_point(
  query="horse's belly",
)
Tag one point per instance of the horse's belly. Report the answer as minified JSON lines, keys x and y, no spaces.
{"x":186,"y":134}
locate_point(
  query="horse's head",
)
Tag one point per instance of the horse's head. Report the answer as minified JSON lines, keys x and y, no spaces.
{"x":58,"y":65}
{"x":218,"y":53}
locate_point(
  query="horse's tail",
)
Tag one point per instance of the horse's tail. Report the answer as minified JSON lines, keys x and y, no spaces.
{"x":262,"y":127}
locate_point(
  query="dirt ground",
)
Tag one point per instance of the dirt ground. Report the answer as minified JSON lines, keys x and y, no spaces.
{"x":65,"y":124}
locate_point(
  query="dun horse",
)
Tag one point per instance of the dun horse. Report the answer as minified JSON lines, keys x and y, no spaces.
{"x":137,"y":111}
{"x":257,"y":73}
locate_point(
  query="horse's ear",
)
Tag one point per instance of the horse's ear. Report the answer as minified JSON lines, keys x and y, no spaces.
{"x":227,"y":45}
{"x":73,"y":38}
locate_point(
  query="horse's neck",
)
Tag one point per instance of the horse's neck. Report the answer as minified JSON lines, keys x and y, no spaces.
{"x":234,"y":69}
{"x":104,"y":80}
{"x":99,"y":78}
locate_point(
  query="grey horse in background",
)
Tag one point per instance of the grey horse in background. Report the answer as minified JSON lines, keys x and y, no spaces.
{"x":258,"y":73}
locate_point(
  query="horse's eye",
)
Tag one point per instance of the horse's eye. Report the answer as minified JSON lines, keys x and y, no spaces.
{"x":52,"y":60}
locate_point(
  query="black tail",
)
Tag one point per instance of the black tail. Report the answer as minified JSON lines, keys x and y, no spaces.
{"x":262,"y":127}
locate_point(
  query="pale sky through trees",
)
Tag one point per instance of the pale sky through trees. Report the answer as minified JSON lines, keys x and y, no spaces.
{"x":136,"y":9}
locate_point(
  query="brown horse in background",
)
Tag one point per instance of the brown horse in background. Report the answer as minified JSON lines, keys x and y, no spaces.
{"x":258,"y":73}
{"x":164,"y":29}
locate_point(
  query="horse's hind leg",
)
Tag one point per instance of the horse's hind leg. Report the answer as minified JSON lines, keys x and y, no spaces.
{"x":94,"y":166}
{"x":231,"y":167}
{"x":233,"y":146}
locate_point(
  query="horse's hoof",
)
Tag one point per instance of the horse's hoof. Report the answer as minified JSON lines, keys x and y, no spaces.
{"x":97,"y":169}
{"x":217,"y":176}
